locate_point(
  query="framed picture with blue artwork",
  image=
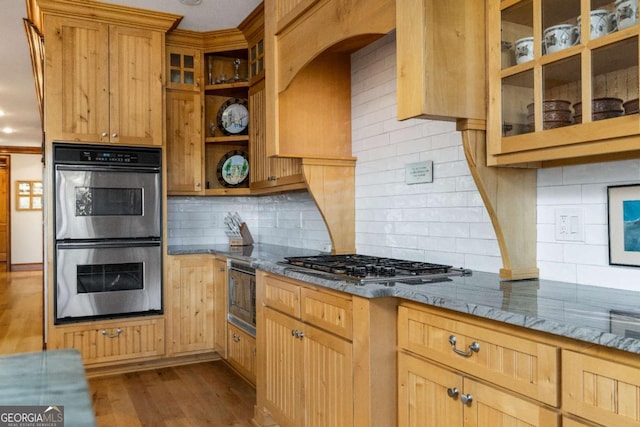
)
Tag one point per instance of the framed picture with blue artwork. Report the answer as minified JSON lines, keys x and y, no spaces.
{"x":624,"y":224}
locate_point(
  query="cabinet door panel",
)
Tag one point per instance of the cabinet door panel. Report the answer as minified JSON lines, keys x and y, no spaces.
{"x":283,"y":376}
{"x":423,"y":398}
{"x":266,"y":171}
{"x":601,"y":391}
{"x":328,"y":379}
{"x":184,"y":142}
{"x":191,"y":284}
{"x":242,"y":353}
{"x":136,"y":85}
{"x":76,"y":85}
{"x":492,"y":407}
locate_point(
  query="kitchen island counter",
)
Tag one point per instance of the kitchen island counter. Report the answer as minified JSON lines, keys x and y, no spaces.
{"x":597,"y":315}
{"x":54,"y":380}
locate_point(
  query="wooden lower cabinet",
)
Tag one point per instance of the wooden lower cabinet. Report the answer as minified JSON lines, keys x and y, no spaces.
{"x":310,"y":382}
{"x":601,"y":391}
{"x":191,"y":303}
{"x":430,"y":395}
{"x":525,"y":366}
{"x":241,"y":352}
{"x":325,"y":358}
{"x":113,"y":341}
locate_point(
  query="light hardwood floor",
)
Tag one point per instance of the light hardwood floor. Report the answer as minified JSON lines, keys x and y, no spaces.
{"x":203,"y":394}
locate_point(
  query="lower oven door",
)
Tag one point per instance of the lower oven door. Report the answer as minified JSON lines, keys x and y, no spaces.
{"x":107,"y":279}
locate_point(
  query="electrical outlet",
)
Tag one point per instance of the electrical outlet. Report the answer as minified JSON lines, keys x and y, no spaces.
{"x":569,"y":224}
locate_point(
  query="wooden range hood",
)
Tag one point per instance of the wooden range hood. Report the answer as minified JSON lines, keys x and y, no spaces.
{"x":308,"y":44}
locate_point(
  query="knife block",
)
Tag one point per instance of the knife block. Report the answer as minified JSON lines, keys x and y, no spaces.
{"x":245,"y":238}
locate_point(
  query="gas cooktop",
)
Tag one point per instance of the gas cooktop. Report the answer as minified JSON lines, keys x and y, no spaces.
{"x":362,"y":269}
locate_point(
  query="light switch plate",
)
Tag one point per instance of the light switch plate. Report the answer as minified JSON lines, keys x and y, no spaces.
{"x":569,"y":224}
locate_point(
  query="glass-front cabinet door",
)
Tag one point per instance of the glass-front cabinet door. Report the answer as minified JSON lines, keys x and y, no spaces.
{"x":184,"y":68}
{"x":563,"y":81}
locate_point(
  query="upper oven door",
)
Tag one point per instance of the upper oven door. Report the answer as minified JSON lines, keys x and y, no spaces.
{"x":107,"y":202}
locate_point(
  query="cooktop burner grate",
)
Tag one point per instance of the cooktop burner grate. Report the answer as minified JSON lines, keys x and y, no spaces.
{"x":364,"y":268}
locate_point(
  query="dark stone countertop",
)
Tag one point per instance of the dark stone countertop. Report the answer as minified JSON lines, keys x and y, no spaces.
{"x":50,"y":379}
{"x":592,"y":314}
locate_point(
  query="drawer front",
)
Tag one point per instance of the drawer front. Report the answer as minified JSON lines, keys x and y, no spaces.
{"x":327,"y":311}
{"x":114,"y":341}
{"x":518,"y":364}
{"x":282,"y":295}
{"x":601,"y":391}
{"x":242,"y":352}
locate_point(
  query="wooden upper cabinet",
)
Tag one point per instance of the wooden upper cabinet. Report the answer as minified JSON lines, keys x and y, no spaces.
{"x":555,"y":107}
{"x":441,"y":71}
{"x":267,"y":173}
{"x":184,"y":68}
{"x":76,"y":80}
{"x":136,"y":82}
{"x":184,"y":142}
{"x":103,"y":82}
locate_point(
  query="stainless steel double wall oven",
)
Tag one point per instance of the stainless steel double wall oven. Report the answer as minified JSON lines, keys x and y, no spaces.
{"x":108,"y":255}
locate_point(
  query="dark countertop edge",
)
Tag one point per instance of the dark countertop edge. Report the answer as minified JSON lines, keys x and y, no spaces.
{"x":267,"y":258}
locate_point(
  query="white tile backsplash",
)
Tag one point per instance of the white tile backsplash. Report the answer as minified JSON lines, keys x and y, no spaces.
{"x":291,"y":219}
{"x":454,"y":227}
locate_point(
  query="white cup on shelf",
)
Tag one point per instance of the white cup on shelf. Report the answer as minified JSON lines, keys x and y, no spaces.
{"x":599,"y":24}
{"x":524,"y":50}
{"x":560,"y":37}
{"x":626,"y":13}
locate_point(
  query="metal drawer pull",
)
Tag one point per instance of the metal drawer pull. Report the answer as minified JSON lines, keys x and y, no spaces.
{"x":108,"y":335}
{"x":466,"y":399}
{"x":453,"y":392}
{"x":236,"y":337}
{"x":298,"y":334}
{"x":474,"y":347}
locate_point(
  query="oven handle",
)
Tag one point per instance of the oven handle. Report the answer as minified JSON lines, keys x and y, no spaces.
{"x":110,"y":168}
{"x":109,"y":244}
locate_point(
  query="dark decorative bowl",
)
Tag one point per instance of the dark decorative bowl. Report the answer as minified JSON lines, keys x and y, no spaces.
{"x":631,"y":106}
{"x":551,"y":105}
{"x":600,"y":105}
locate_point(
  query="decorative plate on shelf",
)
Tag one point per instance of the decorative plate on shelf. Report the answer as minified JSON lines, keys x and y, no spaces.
{"x":233,"y":117}
{"x":233,"y":168}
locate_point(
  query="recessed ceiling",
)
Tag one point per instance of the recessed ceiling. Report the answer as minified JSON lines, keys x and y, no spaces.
{"x":17,"y":90}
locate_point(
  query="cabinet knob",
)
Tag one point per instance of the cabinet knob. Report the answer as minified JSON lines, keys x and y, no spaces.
{"x":108,"y":335}
{"x":104,"y":134}
{"x":198,"y":184}
{"x":453,"y":392}
{"x":466,"y":399}
{"x":114,"y":135}
{"x":474,"y":347}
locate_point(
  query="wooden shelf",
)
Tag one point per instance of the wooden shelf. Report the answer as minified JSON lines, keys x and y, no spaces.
{"x":232,"y":139}
{"x":226,"y":86}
